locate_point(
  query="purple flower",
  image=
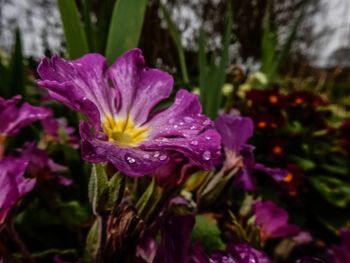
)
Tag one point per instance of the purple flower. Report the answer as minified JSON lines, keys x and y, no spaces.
{"x":273,"y":221}
{"x":41,"y":167}
{"x":123,"y":127}
{"x":235,"y":132}
{"x":175,"y":235}
{"x":239,"y":252}
{"x":14,"y":117}
{"x":13,"y":184}
{"x":340,"y":253}
{"x":57,"y":130}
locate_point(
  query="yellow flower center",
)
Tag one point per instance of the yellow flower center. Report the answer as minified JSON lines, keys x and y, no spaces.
{"x":124,"y":132}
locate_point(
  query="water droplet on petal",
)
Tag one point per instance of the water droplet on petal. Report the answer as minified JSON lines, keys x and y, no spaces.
{"x":207,"y":138}
{"x":188,"y":119}
{"x":181,"y":123}
{"x":156,"y":154}
{"x":146,"y":156}
{"x":175,"y":126}
{"x":163,"y":157}
{"x":206,"y":155}
{"x":164,"y":139}
{"x":194,"y":142}
{"x":206,"y":122}
{"x":130,"y":159}
{"x":192,"y":127}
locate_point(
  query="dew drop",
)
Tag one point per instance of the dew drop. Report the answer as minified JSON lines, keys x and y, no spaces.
{"x":188,"y":119}
{"x":194,"y":142}
{"x":206,"y":155}
{"x":163,"y":157}
{"x":206,"y":122}
{"x":192,"y":127}
{"x":164,"y":139}
{"x":156,"y":154}
{"x":181,"y":123}
{"x":130,"y":159}
{"x":175,"y":126}
{"x":207,"y":138}
{"x":146,"y":156}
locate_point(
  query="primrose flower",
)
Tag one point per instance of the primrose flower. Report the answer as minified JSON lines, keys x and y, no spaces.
{"x":235,"y":131}
{"x":240,"y":252}
{"x":273,"y":221}
{"x":58,"y":131}
{"x":123,"y":126}
{"x":14,"y":117}
{"x":13,"y":184}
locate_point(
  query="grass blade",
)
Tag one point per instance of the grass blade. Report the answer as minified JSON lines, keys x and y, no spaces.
{"x":125,"y":28}
{"x":73,"y":29}
{"x":176,"y":36}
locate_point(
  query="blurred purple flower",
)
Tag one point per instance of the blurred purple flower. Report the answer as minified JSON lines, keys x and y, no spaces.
{"x":14,"y":117}
{"x":13,"y":184}
{"x":340,"y":253}
{"x":239,"y":252}
{"x":175,"y":235}
{"x":235,"y":132}
{"x":273,"y":221}
{"x":57,"y":130}
{"x":41,"y":167}
{"x":122,"y":126}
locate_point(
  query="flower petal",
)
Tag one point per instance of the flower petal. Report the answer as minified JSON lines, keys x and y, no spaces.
{"x":80,"y":84}
{"x":182,"y":119}
{"x":234,"y":130}
{"x":12,"y":118}
{"x":130,"y":161}
{"x":140,"y":88}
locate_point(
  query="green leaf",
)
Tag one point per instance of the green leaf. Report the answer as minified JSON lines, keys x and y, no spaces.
{"x":335,"y":191}
{"x":176,"y":36}
{"x":207,"y":231}
{"x":202,"y":70}
{"x":77,"y":44}
{"x":98,"y":188}
{"x":125,"y":28}
{"x":17,"y":71}
{"x":92,"y":242}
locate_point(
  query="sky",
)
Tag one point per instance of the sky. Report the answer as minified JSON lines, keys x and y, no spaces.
{"x":335,"y":16}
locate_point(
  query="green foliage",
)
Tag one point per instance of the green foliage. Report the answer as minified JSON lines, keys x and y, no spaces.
{"x":274,"y":53}
{"x":212,"y":75}
{"x":176,"y":36}
{"x":333,"y":190}
{"x":125,"y":28}
{"x":207,"y":231}
{"x":74,"y":33}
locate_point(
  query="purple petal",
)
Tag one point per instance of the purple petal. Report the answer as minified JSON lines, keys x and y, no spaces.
{"x":340,"y":253}
{"x":277,"y":174}
{"x":174,"y":245}
{"x":244,"y":178}
{"x":140,"y":88}
{"x":13,"y":184}
{"x":13,"y":118}
{"x":245,"y":253}
{"x":131,"y":161}
{"x":80,"y":84}
{"x":273,"y":221}
{"x":234,"y":130}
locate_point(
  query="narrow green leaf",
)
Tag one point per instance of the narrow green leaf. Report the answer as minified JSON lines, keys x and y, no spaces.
{"x":98,"y":188}
{"x":92,"y":242}
{"x":73,"y":29}
{"x":88,"y":25}
{"x":144,"y":201}
{"x":17,"y":71}
{"x":125,"y":28}
{"x":176,"y":36}
{"x":202,"y":70}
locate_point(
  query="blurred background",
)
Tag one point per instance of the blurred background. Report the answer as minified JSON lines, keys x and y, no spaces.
{"x":320,"y":50}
